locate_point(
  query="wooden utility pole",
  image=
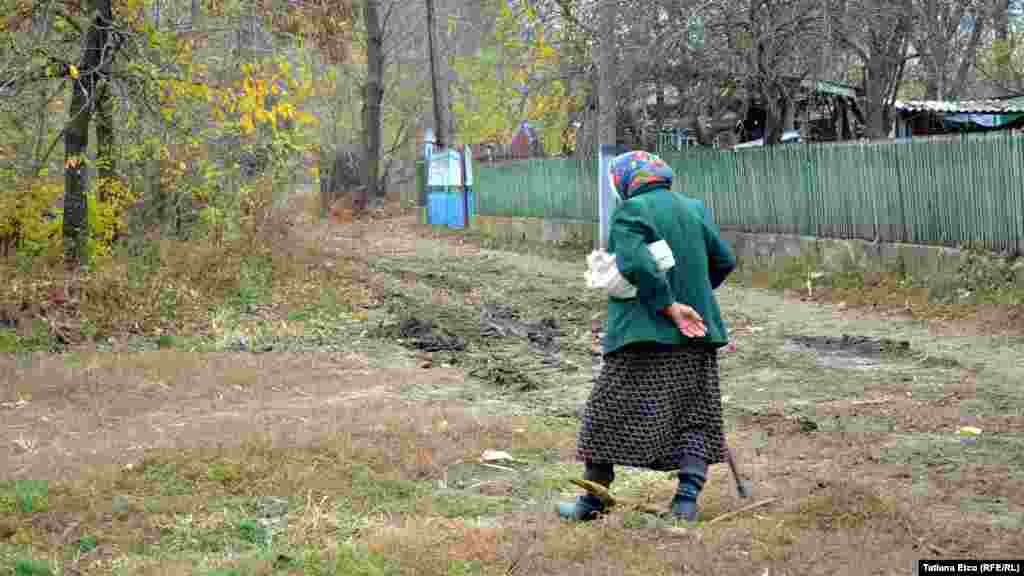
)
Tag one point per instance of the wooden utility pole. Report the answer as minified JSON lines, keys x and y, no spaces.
{"x":606,"y":113}
{"x":439,"y":125}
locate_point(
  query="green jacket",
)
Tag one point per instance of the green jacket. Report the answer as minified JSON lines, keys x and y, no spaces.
{"x":703,"y":261}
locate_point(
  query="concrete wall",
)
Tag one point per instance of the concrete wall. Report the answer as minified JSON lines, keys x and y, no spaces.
{"x":766,"y":250}
{"x":536,"y":229}
{"x":760,"y":250}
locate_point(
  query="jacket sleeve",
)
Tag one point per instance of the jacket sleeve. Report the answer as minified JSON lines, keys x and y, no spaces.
{"x":628,"y":238}
{"x":721,"y":260}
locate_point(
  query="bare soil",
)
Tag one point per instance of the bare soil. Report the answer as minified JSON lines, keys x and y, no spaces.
{"x":848,"y":418}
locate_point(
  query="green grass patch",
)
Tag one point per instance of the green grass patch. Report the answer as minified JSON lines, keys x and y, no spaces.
{"x":198,"y":534}
{"x":38,"y":339}
{"x":371,"y":493}
{"x":254,"y":282}
{"x":87,"y":544}
{"x":30,"y":567}
{"x":946,"y":453}
{"x":549,"y":480}
{"x":253,"y":532}
{"x":24,"y":496}
{"x":165,"y":341}
{"x":9,"y":341}
{"x":452,"y":504}
{"x":165,"y":478}
{"x":218,"y":503}
{"x":348,"y":559}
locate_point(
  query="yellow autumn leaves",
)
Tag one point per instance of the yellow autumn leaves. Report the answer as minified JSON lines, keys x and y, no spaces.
{"x":259,"y":86}
{"x":266,"y":95}
{"x":491,"y":107}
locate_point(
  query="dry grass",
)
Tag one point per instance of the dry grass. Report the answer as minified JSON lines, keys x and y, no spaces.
{"x":991,"y":307}
{"x":157,"y":285}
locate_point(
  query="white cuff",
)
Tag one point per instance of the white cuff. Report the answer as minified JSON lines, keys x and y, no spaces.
{"x":603,"y":274}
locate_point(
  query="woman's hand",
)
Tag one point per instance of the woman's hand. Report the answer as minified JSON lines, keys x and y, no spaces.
{"x":687,"y":320}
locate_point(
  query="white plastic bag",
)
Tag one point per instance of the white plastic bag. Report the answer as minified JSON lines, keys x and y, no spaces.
{"x":603,"y":274}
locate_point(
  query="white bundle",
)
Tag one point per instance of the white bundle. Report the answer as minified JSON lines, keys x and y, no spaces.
{"x":603,"y":274}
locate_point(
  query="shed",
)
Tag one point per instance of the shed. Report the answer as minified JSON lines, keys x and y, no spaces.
{"x":928,"y":117}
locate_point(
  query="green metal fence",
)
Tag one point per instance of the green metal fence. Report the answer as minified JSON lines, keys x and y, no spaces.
{"x":966,"y":191}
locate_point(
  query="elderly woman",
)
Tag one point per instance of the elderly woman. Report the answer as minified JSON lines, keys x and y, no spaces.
{"x":656,"y":403}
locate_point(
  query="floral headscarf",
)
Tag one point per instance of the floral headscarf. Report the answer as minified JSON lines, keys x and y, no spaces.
{"x":632,"y":171}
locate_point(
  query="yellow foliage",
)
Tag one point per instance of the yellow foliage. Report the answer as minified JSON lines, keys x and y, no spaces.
{"x":305,"y":118}
{"x":246,"y":124}
{"x":107,"y":216}
{"x":489,"y":108}
{"x":23,"y":208}
{"x":242,"y":105}
{"x":29,"y":225}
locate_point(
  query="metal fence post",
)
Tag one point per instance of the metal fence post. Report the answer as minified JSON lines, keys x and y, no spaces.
{"x":606,"y":196}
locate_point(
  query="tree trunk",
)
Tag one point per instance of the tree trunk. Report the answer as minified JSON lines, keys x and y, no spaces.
{"x":76,"y":217}
{"x":372,"y":102}
{"x":197,"y":14}
{"x":439,"y":123}
{"x":76,"y":139}
{"x":843,"y":131}
{"x":874,"y":89}
{"x":775,"y":116}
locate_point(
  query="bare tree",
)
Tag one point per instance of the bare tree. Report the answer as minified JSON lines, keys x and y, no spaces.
{"x":790,"y":35}
{"x":878,"y":34}
{"x":948,"y":48}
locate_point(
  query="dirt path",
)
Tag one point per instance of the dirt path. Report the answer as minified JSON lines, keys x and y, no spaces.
{"x":64,"y":415}
{"x":850,"y":419}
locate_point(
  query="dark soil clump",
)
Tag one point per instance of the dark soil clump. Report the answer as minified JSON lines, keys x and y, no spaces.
{"x":501,"y":321}
{"x":859,"y":345}
{"x":423,"y":335}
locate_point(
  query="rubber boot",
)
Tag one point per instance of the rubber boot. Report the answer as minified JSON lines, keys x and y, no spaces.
{"x":588,"y":507}
{"x":693,"y":473}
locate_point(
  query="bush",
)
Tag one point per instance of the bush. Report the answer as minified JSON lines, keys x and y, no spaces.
{"x":27,"y":220}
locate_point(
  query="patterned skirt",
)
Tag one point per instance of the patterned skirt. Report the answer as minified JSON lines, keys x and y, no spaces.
{"x":651,"y":405}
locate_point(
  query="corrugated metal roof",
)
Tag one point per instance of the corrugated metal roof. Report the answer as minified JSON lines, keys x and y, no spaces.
{"x":991,"y":106}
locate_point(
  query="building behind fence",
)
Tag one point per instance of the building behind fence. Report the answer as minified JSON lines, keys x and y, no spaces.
{"x":963,"y":192}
